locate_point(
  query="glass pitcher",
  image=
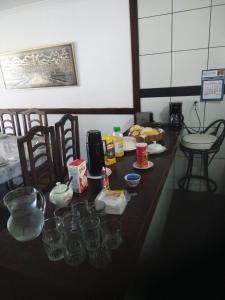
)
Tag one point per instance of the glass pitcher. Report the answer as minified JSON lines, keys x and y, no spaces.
{"x":26,"y":213}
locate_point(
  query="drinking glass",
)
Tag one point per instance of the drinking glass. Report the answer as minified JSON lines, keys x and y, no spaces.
{"x":100,"y":258}
{"x":90,"y":228}
{"x":52,"y":240}
{"x":80,"y":208}
{"x":59,"y":214}
{"x":97,"y":208}
{"x":74,"y":250}
{"x":111,"y":231}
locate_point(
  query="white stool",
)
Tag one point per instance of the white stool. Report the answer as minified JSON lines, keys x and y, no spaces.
{"x":206,"y":144}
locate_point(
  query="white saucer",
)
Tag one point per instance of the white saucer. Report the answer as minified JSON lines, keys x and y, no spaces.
{"x":108,"y":172}
{"x":129,"y":143}
{"x":150,"y":165}
{"x":156,"y":151}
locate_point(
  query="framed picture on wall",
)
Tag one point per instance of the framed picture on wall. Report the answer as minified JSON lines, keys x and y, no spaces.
{"x":41,"y":67}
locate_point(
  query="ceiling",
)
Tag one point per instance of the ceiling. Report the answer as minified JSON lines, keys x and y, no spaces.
{"x":7,"y":4}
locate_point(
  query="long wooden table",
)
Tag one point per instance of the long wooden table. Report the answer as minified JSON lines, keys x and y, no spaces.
{"x":26,"y":272}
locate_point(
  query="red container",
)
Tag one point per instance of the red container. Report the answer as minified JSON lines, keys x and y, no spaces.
{"x":142,"y":155}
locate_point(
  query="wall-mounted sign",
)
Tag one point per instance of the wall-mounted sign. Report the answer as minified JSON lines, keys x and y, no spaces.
{"x":212,"y":84}
{"x":41,"y":67}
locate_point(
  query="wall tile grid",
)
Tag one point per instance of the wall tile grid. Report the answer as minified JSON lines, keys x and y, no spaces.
{"x":155,"y":70}
{"x":186,"y":35}
{"x":218,"y":2}
{"x":149,"y":41}
{"x":175,"y":46}
{"x":187,"y":67}
{"x":181,"y":5}
{"x":148,"y":8}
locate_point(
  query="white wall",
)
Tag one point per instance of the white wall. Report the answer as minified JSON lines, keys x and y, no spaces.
{"x":177,"y":40}
{"x":100,"y":32}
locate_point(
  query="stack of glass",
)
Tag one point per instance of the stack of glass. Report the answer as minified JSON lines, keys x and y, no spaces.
{"x":82,"y":230}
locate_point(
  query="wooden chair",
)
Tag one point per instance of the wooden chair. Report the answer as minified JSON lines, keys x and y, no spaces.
{"x":33,"y":117}
{"x":38,"y":157}
{"x":9,"y":122}
{"x":67,"y":141}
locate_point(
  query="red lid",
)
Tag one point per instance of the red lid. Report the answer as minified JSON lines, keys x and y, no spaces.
{"x":76,"y":162}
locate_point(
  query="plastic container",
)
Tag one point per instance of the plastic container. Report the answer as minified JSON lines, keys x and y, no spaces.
{"x":118,"y":141}
{"x":132,"y":179}
{"x":109,"y":150}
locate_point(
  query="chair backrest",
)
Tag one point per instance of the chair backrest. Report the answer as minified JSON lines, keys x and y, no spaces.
{"x":67,"y":141}
{"x":9,"y":122}
{"x":38,"y":157}
{"x":33,"y":117}
{"x":216,"y":128}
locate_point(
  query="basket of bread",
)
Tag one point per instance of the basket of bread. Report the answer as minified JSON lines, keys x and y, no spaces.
{"x":146,"y":134}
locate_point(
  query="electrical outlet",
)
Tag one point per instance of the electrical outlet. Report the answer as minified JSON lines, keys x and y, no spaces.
{"x":196,"y":105}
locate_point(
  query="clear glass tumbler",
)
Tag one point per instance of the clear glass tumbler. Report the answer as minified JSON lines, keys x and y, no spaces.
{"x":91,"y":232}
{"x":59,"y":214}
{"x":80,"y":208}
{"x":52,"y":240}
{"x":74,"y":249}
{"x":111,"y":231}
{"x":100,"y":258}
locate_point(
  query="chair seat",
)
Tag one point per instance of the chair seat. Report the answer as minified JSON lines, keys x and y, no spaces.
{"x":198,"y":141}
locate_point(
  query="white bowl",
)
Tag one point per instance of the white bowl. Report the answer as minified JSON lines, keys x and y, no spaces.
{"x":132,"y":179}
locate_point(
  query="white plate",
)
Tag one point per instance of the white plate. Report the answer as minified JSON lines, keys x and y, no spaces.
{"x":108,"y":172}
{"x":157,"y":151}
{"x":150,"y":165}
{"x":129,"y":143}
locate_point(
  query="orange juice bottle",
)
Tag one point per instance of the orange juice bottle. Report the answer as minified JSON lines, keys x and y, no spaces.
{"x":118,"y":141}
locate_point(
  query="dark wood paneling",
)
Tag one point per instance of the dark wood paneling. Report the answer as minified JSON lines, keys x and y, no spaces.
{"x":135,"y":54}
{"x":193,"y":90}
{"x":171,"y":91}
{"x":83,"y":111}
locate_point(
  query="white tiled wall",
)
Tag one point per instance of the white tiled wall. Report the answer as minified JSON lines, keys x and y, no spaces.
{"x":148,"y":8}
{"x":217,"y":27}
{"x":155,"y":70}
{"x":181,"y":5}
{"x":217,"y":57}
{"x":149,"y":41}
{"x":217,"y":2}
{"x":186,"y":35}
{"x":187,"y":67}
{"x":177,"y":41}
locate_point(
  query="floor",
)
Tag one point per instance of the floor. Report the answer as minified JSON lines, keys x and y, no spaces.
{"x":191,"y":261}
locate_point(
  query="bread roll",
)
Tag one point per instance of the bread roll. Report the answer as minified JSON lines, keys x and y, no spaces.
{"x":149,"y":131}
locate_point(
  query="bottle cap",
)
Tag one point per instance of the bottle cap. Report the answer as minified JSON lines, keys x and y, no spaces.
{"x":94,"y":137}
{"x":116,"y":129}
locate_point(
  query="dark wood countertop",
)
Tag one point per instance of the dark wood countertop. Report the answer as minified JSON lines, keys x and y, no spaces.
{"x":29,"y":261}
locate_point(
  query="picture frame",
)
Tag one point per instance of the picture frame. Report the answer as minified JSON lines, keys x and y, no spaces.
{"x":51,"y":66}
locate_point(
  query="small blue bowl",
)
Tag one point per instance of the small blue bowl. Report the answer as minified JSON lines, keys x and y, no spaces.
{"x":132,"y":179}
